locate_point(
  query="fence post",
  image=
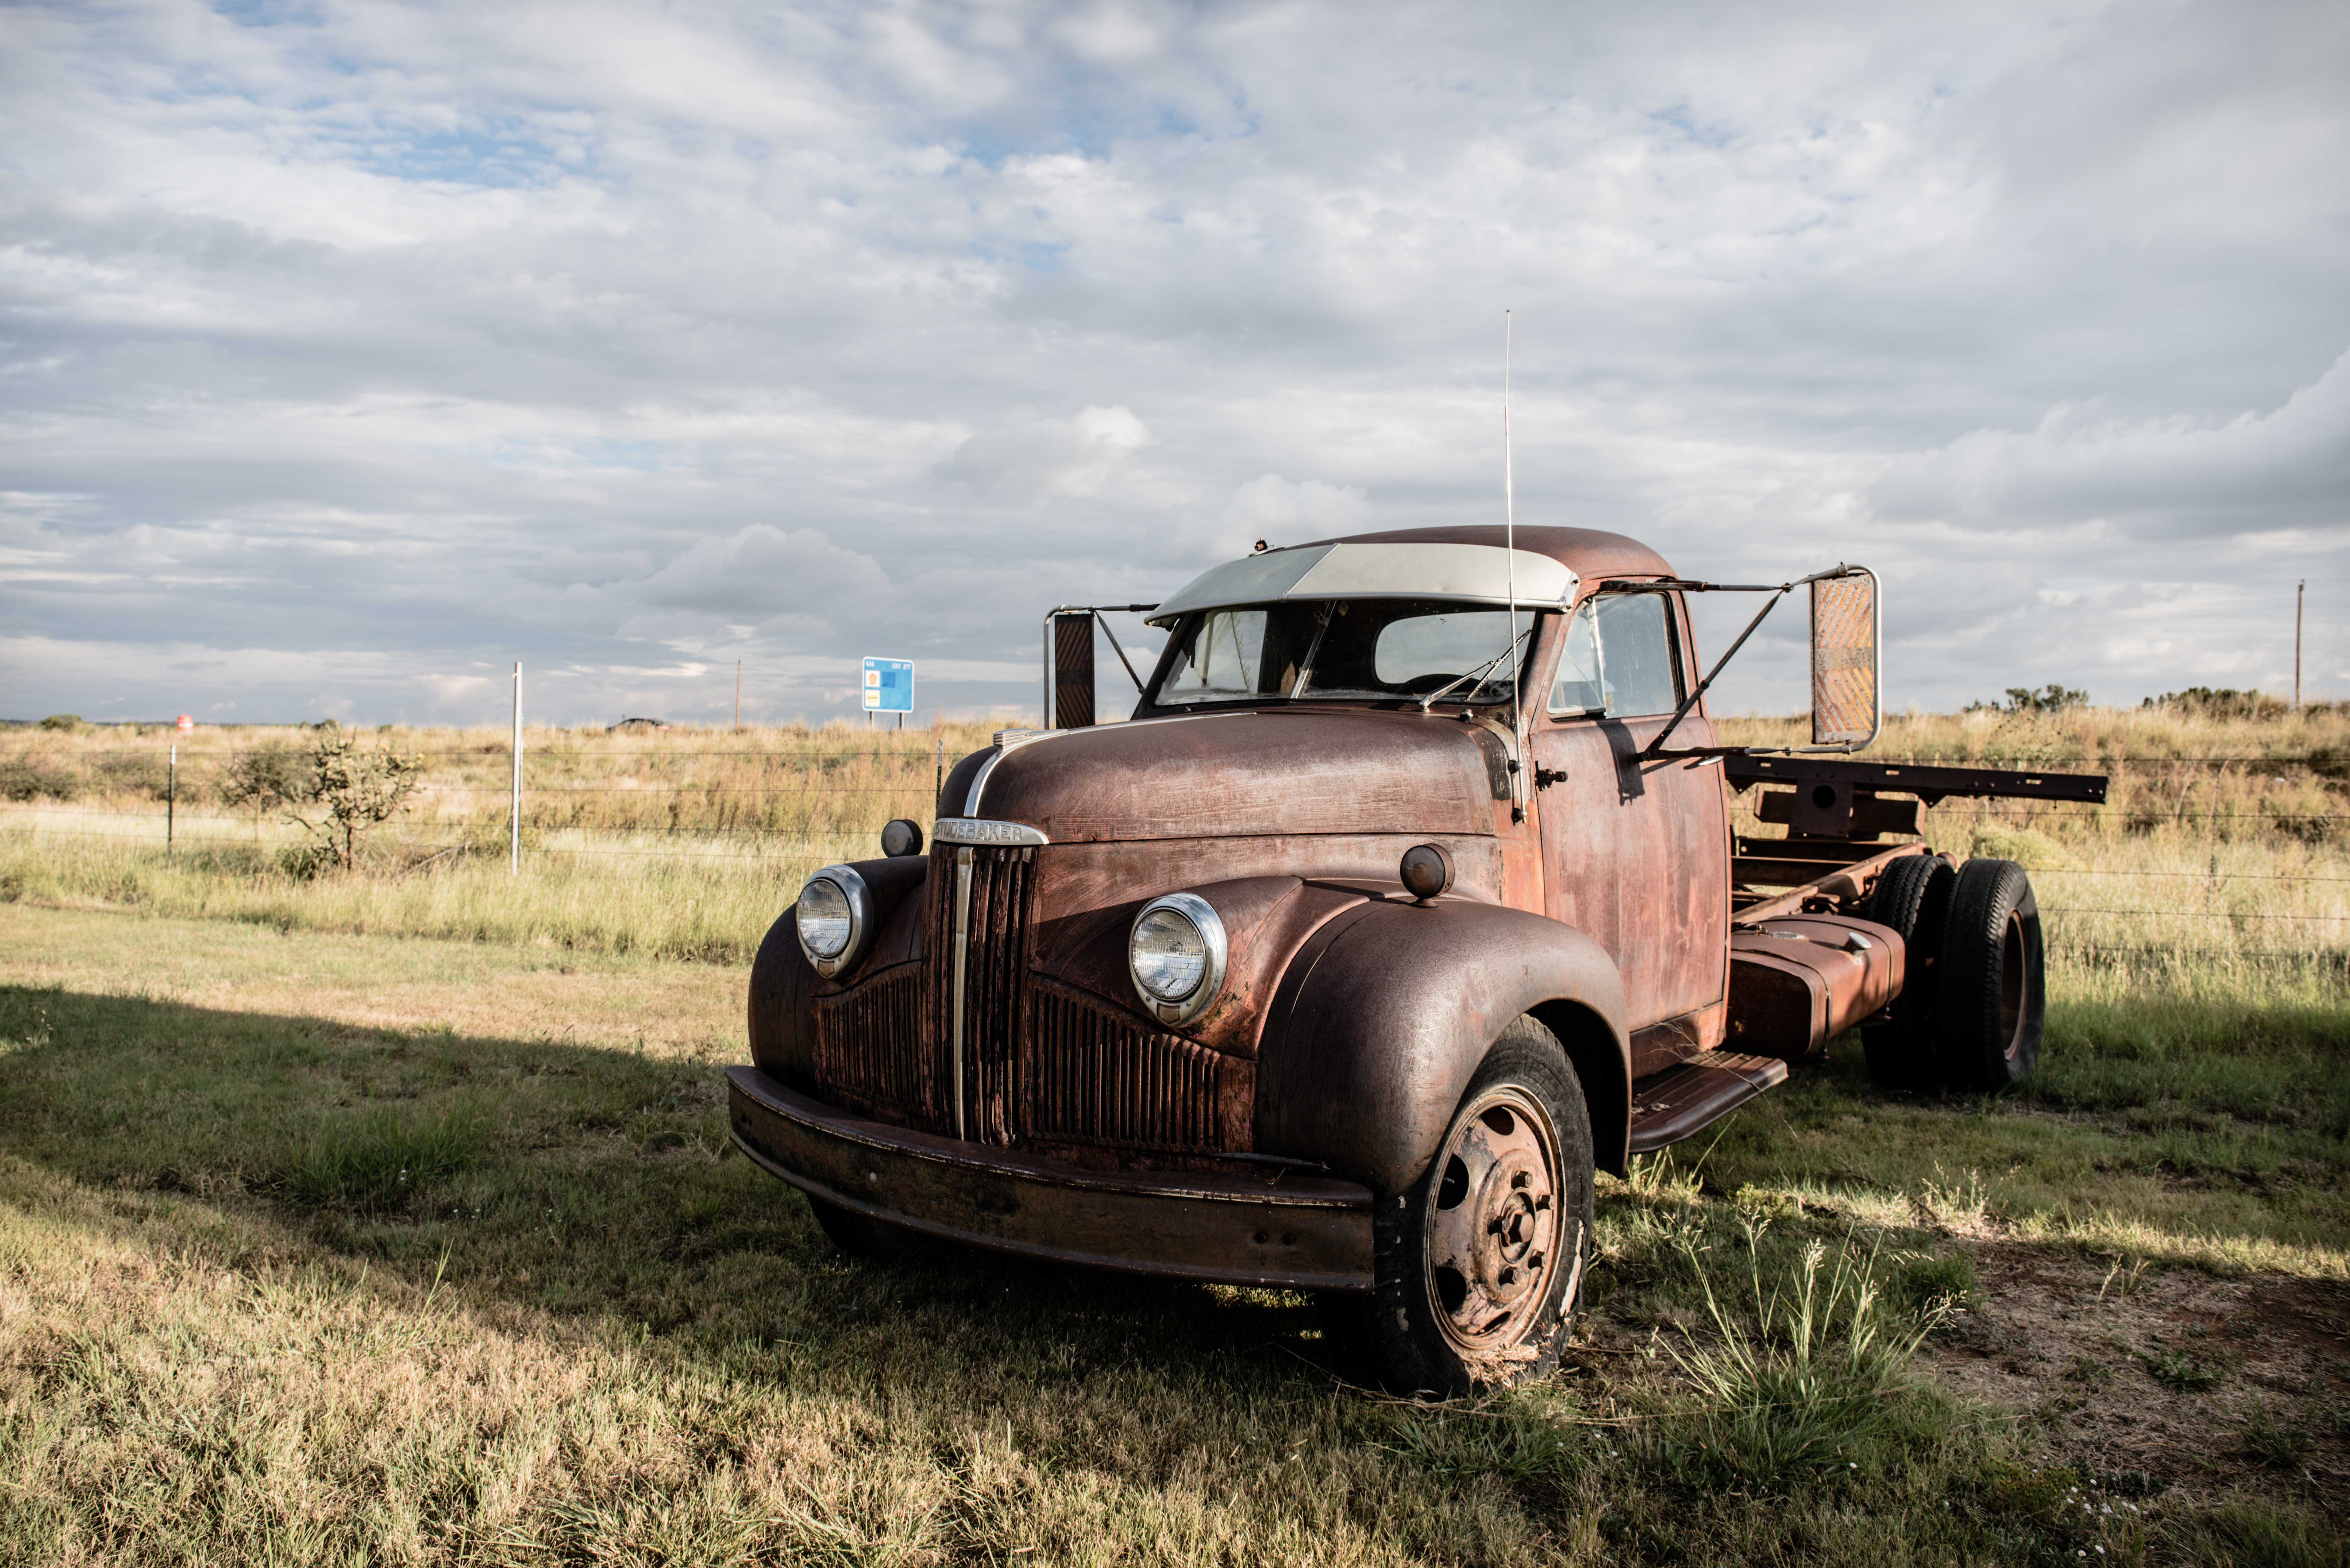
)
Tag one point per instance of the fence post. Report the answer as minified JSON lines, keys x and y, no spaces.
{"x":513,"y":826}
{"x":938,"y":788}
{"x":171,"y":798}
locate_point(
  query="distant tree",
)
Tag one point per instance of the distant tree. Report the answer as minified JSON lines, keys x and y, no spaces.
{"x":69,"y":722}
{"x":2050,"y":698}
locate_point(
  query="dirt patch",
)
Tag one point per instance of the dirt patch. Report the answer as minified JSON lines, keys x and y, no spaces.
{"x":2181,"y":1378}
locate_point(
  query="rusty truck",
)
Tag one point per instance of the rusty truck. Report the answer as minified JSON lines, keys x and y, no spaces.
{"x":1406,"y":901}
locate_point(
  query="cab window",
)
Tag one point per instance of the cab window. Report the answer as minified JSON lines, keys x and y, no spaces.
{"x":1619,"y":659}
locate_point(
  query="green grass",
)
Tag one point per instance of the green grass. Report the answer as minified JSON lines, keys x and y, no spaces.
{"x":579,"y":1328}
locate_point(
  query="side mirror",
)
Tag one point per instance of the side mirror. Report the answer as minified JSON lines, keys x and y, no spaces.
{"x":1847,"y":709}
{"x":1069,"y":671}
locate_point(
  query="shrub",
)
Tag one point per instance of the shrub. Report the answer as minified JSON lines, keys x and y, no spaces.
{"x":2221,"y":702}
{"x":2176,"y":1369}
{"x":353,"y":789}
{"x":268,"y":779}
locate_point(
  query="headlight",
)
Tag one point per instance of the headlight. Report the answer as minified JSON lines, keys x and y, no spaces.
{"x":835,"y":915}
{"x":1177,"y":953}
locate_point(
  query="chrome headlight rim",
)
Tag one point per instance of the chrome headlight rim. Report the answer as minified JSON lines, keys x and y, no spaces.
{"x":1204,"y":919}
{"x":859,"y":898}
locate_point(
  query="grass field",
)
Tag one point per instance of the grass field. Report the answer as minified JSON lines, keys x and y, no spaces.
{"x":391,"y":1219}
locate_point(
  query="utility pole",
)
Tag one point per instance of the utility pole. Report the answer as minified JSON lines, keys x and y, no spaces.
{"x":514,"y":826}
{"x":738,"y":693}
{"x":2300,"y":592}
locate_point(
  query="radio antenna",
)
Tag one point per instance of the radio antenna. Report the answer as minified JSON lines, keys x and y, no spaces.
{"x":1510,"y":552}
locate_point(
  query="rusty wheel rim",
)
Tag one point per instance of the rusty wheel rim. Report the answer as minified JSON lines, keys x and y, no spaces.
{"x":2014,"y":980}
{"x":1493,"y":1250}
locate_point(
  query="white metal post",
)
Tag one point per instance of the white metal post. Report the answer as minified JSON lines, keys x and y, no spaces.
{"x":513,"y":826}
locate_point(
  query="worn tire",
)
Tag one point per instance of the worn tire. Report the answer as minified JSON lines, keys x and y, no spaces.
{"x":1913,"y":896}
{"x":860,"y":1235}
{"x":1993,"y":983}
{"x":1451,"y":1311}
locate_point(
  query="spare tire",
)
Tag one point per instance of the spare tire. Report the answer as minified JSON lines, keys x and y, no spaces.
{"x":1992,"y":989}
{"x":1913,"y":896}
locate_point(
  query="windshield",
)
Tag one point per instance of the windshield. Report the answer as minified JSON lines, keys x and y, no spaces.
{"x":1360,"y":649}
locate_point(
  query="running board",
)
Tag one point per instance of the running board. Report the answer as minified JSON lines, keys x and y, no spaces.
{"x":1667,"y":1106}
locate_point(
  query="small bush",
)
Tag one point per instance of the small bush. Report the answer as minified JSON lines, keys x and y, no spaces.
{"x":71,"y":723}
{"x":266,"y":779}
{"x":2221,"y":702}
{"x":352,"y":791}
{"x":2176,"y":1369}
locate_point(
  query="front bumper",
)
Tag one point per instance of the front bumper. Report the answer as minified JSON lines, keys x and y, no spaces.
{"x":1280,"y":1230}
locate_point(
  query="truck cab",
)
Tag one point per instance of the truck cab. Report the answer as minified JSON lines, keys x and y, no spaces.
{"x":1405,"y":901}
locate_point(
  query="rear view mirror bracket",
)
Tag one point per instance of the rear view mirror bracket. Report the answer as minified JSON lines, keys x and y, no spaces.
{"x":1844,"y":665}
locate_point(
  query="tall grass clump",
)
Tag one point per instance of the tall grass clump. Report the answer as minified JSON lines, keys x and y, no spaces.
{"x":379,"y":1162}
{"x":1815,"y":1374}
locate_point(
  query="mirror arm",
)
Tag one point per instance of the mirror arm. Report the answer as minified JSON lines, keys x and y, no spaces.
{"x":1777,"y":592}
{"x":1114,"y":647}
{"x":1657,"y":746}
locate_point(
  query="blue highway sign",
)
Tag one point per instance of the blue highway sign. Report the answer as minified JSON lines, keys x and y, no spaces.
{"x":889,"y":685}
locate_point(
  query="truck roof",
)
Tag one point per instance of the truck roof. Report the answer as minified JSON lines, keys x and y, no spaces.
{"x":1588,"y":553}
{"x":1467,"y":564}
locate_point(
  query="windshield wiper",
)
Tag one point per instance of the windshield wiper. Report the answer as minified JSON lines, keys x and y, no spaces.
{"x":1477,"y":674}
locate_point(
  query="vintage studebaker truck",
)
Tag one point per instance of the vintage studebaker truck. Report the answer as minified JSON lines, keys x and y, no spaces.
{"x":1407,"y":900}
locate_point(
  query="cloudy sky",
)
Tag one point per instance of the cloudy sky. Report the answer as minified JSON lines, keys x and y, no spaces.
{"x":349,"y":352}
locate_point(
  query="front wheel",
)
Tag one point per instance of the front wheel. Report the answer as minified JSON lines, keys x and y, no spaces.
{"x":1478,"y":1267}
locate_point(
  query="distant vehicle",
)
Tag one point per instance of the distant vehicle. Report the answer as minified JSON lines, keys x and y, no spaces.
{"x":636,"y":726}
{"x":1406,"y":901}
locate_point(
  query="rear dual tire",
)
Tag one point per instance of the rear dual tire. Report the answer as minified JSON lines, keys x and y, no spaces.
{"x":1912,"y":896}
{"x":1974,"y":992}
{"x":1993,"y":988}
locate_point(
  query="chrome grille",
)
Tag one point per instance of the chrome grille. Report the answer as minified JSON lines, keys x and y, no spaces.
{"x":978,"y":952}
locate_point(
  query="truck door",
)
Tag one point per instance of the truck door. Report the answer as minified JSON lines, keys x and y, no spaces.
{"x":1636,"y":853}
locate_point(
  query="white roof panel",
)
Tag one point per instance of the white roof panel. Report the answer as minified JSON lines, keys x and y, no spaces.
{"x":1469,"y":574}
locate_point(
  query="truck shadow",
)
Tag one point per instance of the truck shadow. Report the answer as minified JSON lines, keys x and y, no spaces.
{"x":590,"y":1185}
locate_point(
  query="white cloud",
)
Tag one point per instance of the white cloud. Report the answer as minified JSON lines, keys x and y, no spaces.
{"x":2179,"y":475}
{"x":362,"y":350}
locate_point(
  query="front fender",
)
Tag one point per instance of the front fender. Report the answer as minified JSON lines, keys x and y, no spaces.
{"x":785,"y":985}
{"x":1386,"y":1014}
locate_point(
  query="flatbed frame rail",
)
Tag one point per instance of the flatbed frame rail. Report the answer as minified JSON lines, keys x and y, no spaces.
{"x":1836,"y":812}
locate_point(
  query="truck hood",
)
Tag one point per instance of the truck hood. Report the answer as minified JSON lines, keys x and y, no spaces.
{"x":1214,"y":775}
